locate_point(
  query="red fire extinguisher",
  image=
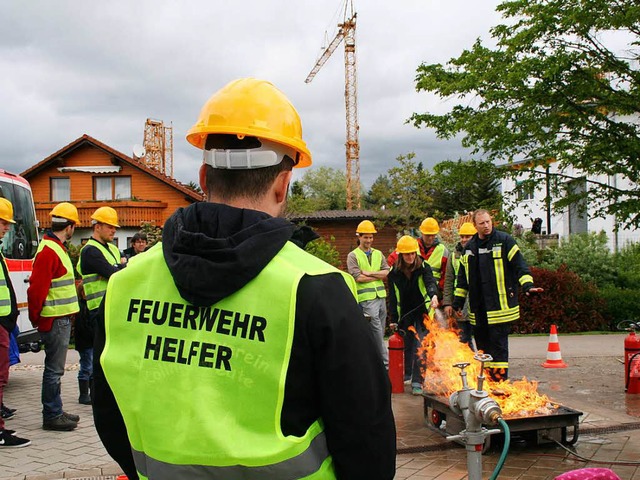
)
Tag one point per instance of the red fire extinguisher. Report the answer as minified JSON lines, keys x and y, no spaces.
{"x":396,"y":362}
{"x":632,"y":363}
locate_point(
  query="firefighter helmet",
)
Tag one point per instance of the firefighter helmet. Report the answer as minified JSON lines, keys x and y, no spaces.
{"x":467,"y":229}
{"x":67,"y":211}
{"x":106,"y":215}
{"x":429,"y":226}
{"x":407,"y":244}
{"x":6,"y":210}
{"x":366,"y":226}
{"x":251,"y":107}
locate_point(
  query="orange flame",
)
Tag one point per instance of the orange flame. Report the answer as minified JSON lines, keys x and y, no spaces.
{"x":442,"y":349}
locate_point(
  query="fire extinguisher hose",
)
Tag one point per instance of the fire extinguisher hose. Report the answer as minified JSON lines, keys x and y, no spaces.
{"x":505,"y":449}
{"x":628,"y":379}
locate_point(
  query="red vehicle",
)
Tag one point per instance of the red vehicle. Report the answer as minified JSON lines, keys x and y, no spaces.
{"x":19,"y":248}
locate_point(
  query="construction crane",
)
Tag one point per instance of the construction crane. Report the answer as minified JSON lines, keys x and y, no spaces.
{"x":347,"y":32}
{"x":158,"y":146}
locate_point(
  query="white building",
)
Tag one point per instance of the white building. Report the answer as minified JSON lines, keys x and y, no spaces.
{"x":527,"y":201}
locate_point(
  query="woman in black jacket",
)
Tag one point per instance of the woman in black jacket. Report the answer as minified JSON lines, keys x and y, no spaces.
{"x":412,"y":287}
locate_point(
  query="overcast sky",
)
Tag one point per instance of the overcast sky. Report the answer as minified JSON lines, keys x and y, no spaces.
{"x":102,"y":68}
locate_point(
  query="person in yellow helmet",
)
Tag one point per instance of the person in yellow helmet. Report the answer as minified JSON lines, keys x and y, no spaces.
{"x":436,"y":255}
{"x":53,"y":304}
{"x":369,"y":268}
{"x":466,"y":232}
{"x":8,"y":318}
{"x":227,"y":351}
{"x":412,"y":291}
{"x":99,"y":259}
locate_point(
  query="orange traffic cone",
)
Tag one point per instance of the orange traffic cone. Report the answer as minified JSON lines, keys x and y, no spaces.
{"x":554,"y":358}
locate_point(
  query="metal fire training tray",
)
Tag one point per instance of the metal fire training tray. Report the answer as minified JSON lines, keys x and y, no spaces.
{"x":534,"y":429}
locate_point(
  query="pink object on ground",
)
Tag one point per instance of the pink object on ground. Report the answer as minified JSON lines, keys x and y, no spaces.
{"x":589,"y":474}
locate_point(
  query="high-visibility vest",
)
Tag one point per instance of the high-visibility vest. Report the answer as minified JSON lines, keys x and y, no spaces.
{"x":375,"y":289}
{"x":219,"y":369}
{"x":62,"y":297}
{"x":421,"y":287}
{"x":435,"y":261}
{"x":95,"y":285}
{"x":5,"y":294}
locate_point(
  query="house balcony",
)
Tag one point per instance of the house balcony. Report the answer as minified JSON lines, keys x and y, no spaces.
{"x":131,"y":213}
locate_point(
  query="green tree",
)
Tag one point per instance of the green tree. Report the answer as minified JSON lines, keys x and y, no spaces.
{"x":464,"y":186}
{"x":562,"y":83}
{"x":409,"y":188}
{"x":380,"y":195}
{"x":322,"y":188}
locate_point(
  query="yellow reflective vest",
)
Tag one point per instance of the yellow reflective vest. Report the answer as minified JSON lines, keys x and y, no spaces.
{"x":5,"y":294}
{"x":95,"y":285}
{"x":370,"y":290}
{"x":62,"y":297}
{"x":219,"y":369}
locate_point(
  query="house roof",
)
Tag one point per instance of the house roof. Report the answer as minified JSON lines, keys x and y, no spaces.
{"x":87,"y":140}
{"x":338,"y":215}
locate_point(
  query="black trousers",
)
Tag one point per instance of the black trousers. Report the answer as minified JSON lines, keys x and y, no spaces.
{"x":494,"y":340}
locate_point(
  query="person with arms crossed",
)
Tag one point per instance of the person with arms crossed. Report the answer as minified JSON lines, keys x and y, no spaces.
{"x":229,"y":349}
{"x":369,"y":268}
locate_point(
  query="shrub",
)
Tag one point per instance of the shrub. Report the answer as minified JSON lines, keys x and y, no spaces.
{"x":567,"y":302}
{"x":627,"y":265}
{"x":587,"y":255}
{"x":325,"y":251}
{"x":620,"y":304}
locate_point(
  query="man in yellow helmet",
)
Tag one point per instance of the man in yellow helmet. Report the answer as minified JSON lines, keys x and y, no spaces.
{"x":8,"y":318}
{"x":53,"y":304}
{"x":466,"y":232}
{"x":99,"y":259}
{"x":369,"y":268}
{"x":229,"y":349}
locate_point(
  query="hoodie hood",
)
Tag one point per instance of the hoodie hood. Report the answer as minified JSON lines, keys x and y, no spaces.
{"x":213,"y":250}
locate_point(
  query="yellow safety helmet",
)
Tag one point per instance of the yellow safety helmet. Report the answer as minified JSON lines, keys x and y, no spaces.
{"x":366,"y":226}
{"x":407,"y":244}
{"x":66,"y":210}
{"x":429,"y":226}
{"x":467,"y":228}
{"x":106,"y":215}
{"x":251,"y":107}
{"x":6,"y":210}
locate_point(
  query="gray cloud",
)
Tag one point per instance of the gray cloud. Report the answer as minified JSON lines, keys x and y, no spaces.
{"x":75,"y":67}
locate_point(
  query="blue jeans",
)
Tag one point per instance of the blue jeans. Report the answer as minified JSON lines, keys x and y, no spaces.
{"x":86,"y":364}
{"x":56,"y":344}
{"x":376,"y":309}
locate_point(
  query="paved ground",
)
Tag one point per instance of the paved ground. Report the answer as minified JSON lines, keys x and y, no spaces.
{"x":592,"y":384}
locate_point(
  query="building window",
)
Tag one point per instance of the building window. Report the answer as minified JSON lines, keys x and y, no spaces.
{"x":60,"y":189}
{"x":112,"y":188}
{"x":525,"y":190}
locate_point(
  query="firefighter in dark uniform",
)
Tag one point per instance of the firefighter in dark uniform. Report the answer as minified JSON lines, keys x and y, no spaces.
{"x":227,"y":351}
{"x":492,"y":269}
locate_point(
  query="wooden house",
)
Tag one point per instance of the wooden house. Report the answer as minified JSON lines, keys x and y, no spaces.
{"x":90,"y":174}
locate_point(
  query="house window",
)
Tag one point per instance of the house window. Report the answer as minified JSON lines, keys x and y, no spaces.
{"x":60,"y":189}
{"x":112,"y":188}
{"x":525,"y":190}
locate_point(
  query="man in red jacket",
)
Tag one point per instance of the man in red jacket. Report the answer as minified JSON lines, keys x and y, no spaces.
{"x":53,"y":302}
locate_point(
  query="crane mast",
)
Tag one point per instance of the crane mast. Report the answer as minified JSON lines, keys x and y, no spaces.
{"x":347,"y":32}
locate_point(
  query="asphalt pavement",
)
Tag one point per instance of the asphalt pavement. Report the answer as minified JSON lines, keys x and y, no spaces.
{"x":592,"y":384}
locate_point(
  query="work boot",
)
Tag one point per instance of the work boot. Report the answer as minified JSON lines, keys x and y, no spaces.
{"x":84,"y":397}
{"x":71,"y":416}
{"x":60,"y":423}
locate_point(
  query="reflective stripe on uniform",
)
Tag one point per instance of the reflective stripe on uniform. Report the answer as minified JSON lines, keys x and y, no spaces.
{"x":299,"y":466}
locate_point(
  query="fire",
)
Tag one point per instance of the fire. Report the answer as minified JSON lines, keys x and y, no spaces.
{"x":442,"y":349}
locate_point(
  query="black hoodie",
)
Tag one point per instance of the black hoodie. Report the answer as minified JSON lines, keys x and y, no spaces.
{"x":335,"y":372}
